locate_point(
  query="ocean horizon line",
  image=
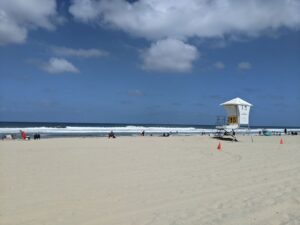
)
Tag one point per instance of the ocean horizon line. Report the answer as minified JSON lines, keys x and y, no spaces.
{"x":93,"y":124}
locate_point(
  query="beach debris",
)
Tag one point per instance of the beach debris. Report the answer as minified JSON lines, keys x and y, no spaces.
{"x":219,"y":146}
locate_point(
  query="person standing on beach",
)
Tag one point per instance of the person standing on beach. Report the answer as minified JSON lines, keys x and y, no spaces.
{"x":111,"y":135}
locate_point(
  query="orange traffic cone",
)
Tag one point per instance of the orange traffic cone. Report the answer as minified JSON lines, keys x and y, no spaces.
{"x":219,"y":146}
{"x":281,"y":141}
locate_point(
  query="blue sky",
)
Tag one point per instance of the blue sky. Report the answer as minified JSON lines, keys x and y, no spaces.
{"x":149,"y":61}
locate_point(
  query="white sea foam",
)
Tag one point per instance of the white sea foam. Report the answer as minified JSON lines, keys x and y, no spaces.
{"x":126,"y":130}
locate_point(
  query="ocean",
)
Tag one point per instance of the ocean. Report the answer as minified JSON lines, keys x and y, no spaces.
{"x":46,"y":129}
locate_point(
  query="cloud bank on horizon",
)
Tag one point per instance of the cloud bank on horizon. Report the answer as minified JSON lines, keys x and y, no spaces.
{"x":167,"y":25}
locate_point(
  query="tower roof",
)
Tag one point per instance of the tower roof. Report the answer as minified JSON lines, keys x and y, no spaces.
{"x":236,"y":101}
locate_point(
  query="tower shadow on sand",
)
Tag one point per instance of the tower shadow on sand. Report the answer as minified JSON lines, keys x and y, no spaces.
{"x":225,"y":139}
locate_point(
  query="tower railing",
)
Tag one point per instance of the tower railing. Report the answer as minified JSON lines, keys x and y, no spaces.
{"x":221,"y":120}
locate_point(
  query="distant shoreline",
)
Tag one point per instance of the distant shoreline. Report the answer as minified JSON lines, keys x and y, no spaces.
{"x":15,"y":124}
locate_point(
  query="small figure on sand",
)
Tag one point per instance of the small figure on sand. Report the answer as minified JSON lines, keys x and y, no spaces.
{"x":36,"y":136}
{"x":8,"y":137}
{"x":111,"y":135}
{"x":166,"y":134}
{"x":24,"y":135}
{"x":143,"y":133}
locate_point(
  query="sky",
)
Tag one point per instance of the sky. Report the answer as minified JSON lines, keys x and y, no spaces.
{"x":149,"y":61}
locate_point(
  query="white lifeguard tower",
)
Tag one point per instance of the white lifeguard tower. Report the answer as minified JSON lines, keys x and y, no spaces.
{"x":238,"y":112}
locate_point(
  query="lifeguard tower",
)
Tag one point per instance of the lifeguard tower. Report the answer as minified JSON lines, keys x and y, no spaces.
{"x":238,"y":112}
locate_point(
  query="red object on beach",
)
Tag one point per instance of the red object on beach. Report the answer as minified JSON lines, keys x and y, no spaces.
{"x":219,"y":146}
{"x":23,"y":134}
{"x":281,"y":141}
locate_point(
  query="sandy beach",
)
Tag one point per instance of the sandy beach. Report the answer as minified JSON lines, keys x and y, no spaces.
{"x":150,"y":180}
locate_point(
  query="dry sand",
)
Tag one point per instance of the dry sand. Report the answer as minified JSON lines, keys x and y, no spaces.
{"x":150,"y":180}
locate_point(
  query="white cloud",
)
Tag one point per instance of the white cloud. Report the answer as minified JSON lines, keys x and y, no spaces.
{"x":19,"y":16}
{"x":158,"y":19}
{"x":85,"y":10}
{"x":59,"y":65}
{"x":85,"y":53}
{"x":169,"y":55}
{"x":9,"y":31}
{"x":220,"y":65}
{"x":244,"y":66}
